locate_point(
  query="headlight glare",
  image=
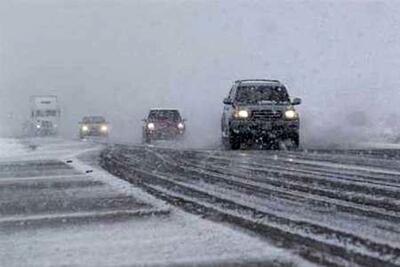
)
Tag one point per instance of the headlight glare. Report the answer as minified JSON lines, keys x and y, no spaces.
{"x":291,"y":114}
{"x":181,"y":126}
{"x":104,"y":128}
{"x":85,"y":128}
{"x":150,"y":126}
{"x":242,"y":114}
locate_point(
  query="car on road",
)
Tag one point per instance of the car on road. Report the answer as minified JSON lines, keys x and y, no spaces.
{"x":94,"y":126}
{"x":163,"y":124}
{"x":260,"y":111}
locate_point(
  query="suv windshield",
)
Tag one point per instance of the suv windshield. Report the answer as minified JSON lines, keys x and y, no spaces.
{"x":172,"y":115}
{"x":253,"y":94}
{"x":94,"y":120}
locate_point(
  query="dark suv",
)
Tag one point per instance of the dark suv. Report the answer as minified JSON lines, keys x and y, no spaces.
{"x":260,"y":111}
{"x":163,"y":124}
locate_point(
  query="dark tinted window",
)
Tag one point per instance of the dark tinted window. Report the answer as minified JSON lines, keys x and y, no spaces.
{"x":253,"y":94}
{"x":164,"y":115}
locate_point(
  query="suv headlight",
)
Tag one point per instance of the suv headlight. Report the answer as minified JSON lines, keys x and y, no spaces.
{"x":241,"y":114}
{"x":85,"y":128}
{"x":291,"y":114}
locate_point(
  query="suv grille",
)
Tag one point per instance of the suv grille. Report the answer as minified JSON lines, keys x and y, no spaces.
{"x":266,"y":115}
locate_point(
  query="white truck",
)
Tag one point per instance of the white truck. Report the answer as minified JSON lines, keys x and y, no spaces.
{"x":45,"y":115}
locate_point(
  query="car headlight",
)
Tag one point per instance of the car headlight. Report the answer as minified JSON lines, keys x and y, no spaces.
{"x":85,"y":128}
{"x":104,"y":128}
{"x":38,"y":126}
{"x":150,"y":126}
{"x":242,"y":114}
{"x":291,"y":114}
{"x":181,"y":126}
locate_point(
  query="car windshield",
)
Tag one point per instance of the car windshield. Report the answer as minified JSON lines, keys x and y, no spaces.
{"x":157,"y":115}
{"x":253,"y":94}
{"x":94,"y":120}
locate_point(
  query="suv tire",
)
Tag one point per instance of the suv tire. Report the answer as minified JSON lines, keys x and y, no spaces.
{"x":234,"y":142}
{"x":296,"y":141}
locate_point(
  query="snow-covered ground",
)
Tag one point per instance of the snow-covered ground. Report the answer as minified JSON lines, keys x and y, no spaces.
{"x":11,"y":147}
{"x":346,"y":199}
{"x":169,"y":240}
{"x":174,"y":238}
{"x":380,"y":145}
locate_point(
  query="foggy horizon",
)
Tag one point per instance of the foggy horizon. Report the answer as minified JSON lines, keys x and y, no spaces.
{"x":120,"y":58}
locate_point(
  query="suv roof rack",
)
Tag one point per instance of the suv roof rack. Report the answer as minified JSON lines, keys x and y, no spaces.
{"x":257,"y":80}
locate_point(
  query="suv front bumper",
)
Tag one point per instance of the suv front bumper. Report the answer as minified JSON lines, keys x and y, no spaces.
{"x":273,"y":129}
{"x":164,"y":133}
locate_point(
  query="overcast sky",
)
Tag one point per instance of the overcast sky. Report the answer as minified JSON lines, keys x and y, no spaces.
{"x":119,"y":58}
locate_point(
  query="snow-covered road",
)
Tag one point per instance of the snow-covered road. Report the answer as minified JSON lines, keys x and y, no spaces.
{"x":332,"y":207}
{"x":57,"y":208}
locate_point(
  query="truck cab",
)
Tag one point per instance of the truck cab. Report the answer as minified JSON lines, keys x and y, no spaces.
{"x":45,"y":115}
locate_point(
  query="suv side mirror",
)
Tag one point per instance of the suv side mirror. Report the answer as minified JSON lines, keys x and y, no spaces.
{"x":227,"y":101}
{"x":296,"y":101}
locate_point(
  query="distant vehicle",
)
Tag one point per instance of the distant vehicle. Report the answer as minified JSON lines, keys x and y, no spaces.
{"x":260,"y":111}
{"x":163,"y":124}
{"x":93,"y":126}
{"x":45,"y":115}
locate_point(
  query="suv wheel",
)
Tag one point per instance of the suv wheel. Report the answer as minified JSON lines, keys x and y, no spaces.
{"x":296,"y":141}
{"x":234,"y":142}
{"x":225,"y":143}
